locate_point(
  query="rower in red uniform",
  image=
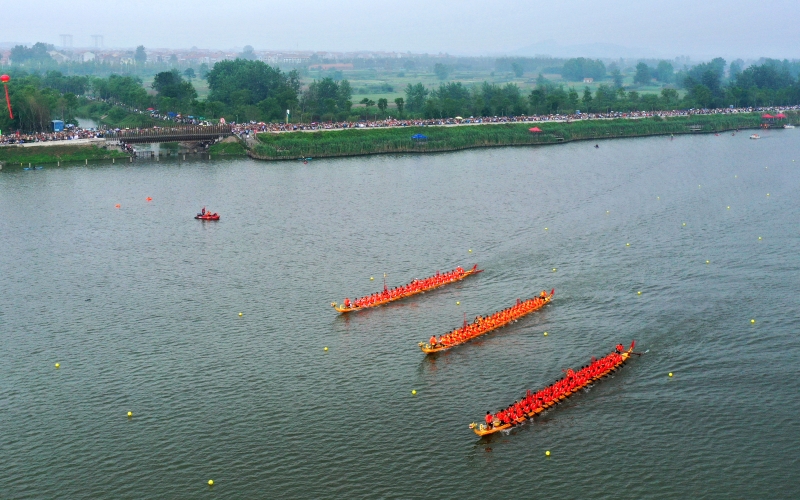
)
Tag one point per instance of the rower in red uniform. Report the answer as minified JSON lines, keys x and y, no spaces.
{"x":433,"y":340}
{"x":347,"y":303}
{"x":489,"y":418}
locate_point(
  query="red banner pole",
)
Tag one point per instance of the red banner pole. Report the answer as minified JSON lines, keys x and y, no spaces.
{"x":8,"y":101}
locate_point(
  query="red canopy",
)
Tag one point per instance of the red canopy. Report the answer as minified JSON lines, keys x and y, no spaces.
{"x":535,"y":129}
{"x":780,"y":115}
{"x":767,"y":115}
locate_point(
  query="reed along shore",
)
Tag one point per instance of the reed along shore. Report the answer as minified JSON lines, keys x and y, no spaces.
{"x":356,"y":142}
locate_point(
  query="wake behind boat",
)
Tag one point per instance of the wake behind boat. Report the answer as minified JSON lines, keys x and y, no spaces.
{"x":532,"y":404}
{"x":409,"y":290}
{"x":482,"y":326}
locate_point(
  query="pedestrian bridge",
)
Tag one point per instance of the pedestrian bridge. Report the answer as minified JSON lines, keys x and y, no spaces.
{"x":193,"y":133}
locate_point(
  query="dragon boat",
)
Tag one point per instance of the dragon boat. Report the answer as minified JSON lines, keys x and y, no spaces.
{"x":618,"y":358}
{"x":386,"y":296}
{"x":482,"y":326}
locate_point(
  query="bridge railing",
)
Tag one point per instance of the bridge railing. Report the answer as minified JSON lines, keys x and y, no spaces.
{"x":167,"y":134}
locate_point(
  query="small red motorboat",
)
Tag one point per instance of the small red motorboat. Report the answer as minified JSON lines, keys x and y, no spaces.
{"x":205,"y":215}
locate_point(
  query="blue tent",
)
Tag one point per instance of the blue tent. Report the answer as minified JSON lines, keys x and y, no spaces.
{"x":58,"y":126}
{"x":419,"y":137}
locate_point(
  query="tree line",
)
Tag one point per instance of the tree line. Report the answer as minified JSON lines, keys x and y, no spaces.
{"x":249,"y":90}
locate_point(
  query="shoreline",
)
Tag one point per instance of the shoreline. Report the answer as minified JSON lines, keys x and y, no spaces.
{"x":282,"y":146}
{"x":344,"y":143}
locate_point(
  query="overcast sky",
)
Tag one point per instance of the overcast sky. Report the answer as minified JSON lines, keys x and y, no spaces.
{"x":698,"y":28}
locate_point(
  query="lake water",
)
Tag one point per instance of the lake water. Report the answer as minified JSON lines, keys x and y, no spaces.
{"x":140,"y":306}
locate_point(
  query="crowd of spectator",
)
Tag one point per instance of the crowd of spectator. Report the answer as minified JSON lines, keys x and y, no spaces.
{"x":245,"y":130}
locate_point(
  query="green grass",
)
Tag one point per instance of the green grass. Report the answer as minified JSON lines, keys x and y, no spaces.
{"x":398,"y":140}
{"x":227,"y":149}
{"x":10,"y":155}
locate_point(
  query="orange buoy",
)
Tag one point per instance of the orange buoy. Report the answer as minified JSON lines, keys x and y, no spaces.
{"x":148,"y":199}
{"x":117,"y":205}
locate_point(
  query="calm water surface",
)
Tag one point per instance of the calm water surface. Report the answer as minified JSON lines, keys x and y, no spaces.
{"x":140,"y":307}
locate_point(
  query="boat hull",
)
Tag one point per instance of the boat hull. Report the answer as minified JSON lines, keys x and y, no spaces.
{"x":342,"y":309}
{"x":432,"y":350}
{"x":482,"y":430}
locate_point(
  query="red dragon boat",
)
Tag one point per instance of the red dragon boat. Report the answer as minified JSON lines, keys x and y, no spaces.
{"x":534,"y":403}
{"x":483,"y":325}
{"x":415,"y":287}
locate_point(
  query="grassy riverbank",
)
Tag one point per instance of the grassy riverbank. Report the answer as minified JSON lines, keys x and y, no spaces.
{"x":11,"y":155}
{"x":398,"y":140}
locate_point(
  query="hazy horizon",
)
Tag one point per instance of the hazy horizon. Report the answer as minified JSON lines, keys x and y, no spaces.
{"x":471,"y":28}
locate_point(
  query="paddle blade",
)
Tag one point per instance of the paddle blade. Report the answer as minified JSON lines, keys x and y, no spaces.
{"x":633,"y":343}
{"x":553,"y":291}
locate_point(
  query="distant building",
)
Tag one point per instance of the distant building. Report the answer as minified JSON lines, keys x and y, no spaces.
{"x":87,"y":56}
{"x":58,"y":57}
{"x":588,"y":80}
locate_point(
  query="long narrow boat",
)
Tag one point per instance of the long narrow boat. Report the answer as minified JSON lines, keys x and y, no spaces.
{"x":564,"y":388}
{"x":482,"y":326}
{"x":411,"y":289}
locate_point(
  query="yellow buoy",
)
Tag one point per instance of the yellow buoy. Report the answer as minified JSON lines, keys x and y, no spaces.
{"x":658,"y":197}
{"x":240,"y":314}
{"x":458,"y":303}
{"x":58,"y":365}
{"x":627,"y":244}
{"x":413,"y":391}
{"x":547,"y":453}
{"x":729,"y":207}
{"x":554,"y":269}
{"x":470,"y":250}
{"x":130,"y":414}
{"x":708,"y":262}
{"x":752,"y":321}
{"x":326,"y":348}
{"x":670,"y":374}
{"x":371,"y":278}
{"x":608,"y":212}
{"x":638,"y":293}
{"x":698,"y":186}
{"x":767,"y":194}
{"x":545,"y":229}
{"x":759,"y":237}
{"x":684,"y":223}
{"x":545,"y":334}
{"x":211,"y":482}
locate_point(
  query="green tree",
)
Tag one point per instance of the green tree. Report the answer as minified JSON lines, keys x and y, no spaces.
{"x":416,"y":95}
{"x":248,"y":53}
{"x":642,"y":75}
{"x":578,"y":68}
{"x":188,"y":73}
{"x":170,"y":84}
{"x":587,"y":99}
{"x":37,"y":54}
{"x":664,"y":72}
{"x":173,"y":60}
{"x":140,"y":56}
{"x":441,"y":71}
{"x":383,"y":104}
{"x":573,"y":99}
{"x":517,"y":69}
{"x":262,"y":82}
{"x":616,"y":77}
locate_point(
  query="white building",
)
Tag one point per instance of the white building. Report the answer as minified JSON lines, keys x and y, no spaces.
{"x":87,"y":56}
